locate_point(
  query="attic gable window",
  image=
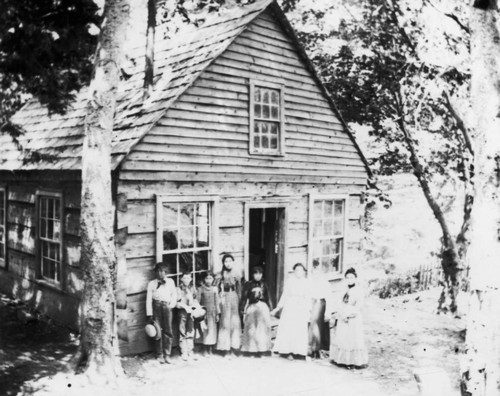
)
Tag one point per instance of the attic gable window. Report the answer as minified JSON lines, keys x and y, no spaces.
{"x":266,"y":118}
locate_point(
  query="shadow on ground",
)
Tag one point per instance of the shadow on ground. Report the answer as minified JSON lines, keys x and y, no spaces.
{"x":30,"y":349}
{"x":403,"y":334}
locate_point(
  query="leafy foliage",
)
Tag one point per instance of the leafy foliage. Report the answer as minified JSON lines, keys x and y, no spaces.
{"x":180,"y":12}
{"x":45,"y":51}
{"x":390,"y":72}
{"x":375,"y":63}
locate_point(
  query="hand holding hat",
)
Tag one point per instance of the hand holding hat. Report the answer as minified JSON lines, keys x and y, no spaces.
{"x":153,"y":329}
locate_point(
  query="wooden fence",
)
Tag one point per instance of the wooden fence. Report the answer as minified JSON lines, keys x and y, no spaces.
{"x":426,"y":276}
{"x":419,"y":278}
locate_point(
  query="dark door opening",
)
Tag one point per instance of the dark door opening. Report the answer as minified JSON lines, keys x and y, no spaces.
{"x":267,"y":246}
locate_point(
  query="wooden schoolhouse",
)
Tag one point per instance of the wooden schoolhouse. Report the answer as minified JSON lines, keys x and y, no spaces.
{"x":239,"y":149}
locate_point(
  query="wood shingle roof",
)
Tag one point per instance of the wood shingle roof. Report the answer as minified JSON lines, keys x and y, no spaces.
{"x":54,"y":141}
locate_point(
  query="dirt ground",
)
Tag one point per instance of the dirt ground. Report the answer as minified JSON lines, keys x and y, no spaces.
{"x":31,"y":350}
{"x":403,"y":334}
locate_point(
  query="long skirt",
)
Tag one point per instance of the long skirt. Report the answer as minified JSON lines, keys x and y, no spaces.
{"x":229,"y":325}
{"x":317,"y":328}
{"x":209,"y":334}
{"x":257,"y":328}
{"x":292,"y":335}
{"x":348,"y":343}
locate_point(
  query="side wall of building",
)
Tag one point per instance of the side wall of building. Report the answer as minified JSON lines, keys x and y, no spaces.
{"x":21,"y":276}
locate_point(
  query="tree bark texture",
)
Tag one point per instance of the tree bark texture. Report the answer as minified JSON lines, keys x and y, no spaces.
{"x":98,"y":346}
{"x":481,"y":364}
{"x":150,"y":50}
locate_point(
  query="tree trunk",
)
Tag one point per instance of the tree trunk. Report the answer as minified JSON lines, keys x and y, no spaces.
{"x":450,"y":261}
{"x":462,"y":240}
{"x":149,"y":71}
{"x":98,"y":346}
{"x":480,"y":369}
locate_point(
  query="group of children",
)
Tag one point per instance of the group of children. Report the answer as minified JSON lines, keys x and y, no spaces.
{"x":223,"y":303}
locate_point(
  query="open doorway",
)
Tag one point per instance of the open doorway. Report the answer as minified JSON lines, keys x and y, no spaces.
{"x":266,"y":246}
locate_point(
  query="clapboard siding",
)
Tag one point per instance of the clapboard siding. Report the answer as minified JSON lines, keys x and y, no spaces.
{"x":182,"y":138}
{"x":336,"y":141}
{"x":208,"y":177}
{"x":226,"y":166}
{"x":211,"y":80}
{"x":158,"y":153}
{"x":139,"y":190}
{"x":204,"y":135}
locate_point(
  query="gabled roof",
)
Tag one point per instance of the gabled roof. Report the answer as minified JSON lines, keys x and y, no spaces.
{"x":55,"y":141}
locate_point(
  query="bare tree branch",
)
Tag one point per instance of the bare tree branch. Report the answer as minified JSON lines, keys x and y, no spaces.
{"x":462,"y":26}
{"x":419,"y":172}
{"x":457,"y":20}
{"x":393,"y":14}
{"x":460,"y":123}
{"x":462,"y":238}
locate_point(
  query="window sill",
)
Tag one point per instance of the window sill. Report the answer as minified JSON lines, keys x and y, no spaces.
{"x":329,"y":277}
{"x":334,"y":277}
{"x":266,"y":155}
{"x":49,"y":285}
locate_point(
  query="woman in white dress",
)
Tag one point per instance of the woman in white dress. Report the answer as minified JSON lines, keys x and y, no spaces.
{"x":347,"y":347}
{"x":295,"y":304}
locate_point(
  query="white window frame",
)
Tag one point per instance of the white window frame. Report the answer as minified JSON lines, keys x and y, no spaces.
{"x":280,"y":151}
{"x":328,"y":197}
{"x":213,"y":202}
{"x":3,"y":261}
{"x":39,"y":239}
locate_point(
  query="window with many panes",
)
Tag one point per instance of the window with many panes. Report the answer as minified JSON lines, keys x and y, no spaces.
{"x":184,"y":237}
{"x":266,"y":119}
{"x":50,"y":236}
{"x":328,"y":228}
{"x":3,"y":222}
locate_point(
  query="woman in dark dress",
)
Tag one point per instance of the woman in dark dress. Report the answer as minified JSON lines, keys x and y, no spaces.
{"x":257,"y":329}
{"x":256,"y":281}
